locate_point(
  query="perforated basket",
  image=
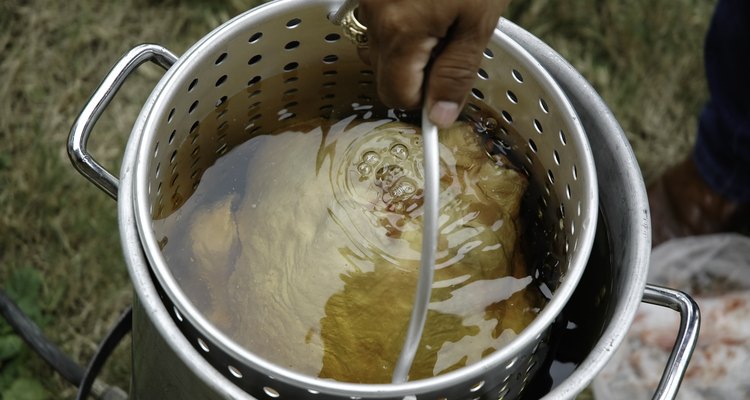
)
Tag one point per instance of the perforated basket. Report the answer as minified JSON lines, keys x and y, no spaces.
{"x":285,"y":62}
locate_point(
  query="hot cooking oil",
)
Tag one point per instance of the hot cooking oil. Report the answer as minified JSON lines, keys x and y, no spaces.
{"x":303,"y":246}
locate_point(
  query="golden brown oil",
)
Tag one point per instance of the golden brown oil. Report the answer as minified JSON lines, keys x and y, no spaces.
{"x":303,"y":245}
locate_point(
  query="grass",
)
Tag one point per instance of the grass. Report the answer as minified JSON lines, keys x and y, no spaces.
{"x":59,"y":245}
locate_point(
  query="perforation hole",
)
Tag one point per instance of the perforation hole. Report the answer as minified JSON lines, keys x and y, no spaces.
{"x":538,"y":126}
{"x":221,"y":114}
{"x":567,"y":192}
{"x":473,"y":107}
{"x":253,"y":80}
{"x":194,"y":127}
{"x":171,"y":136}
{"x":193,"y":107}
{"x":489,"y":54}
{"x":177,"y":313}
{"x":222,"y":149}
{"x":254,"y":93}
{"x":254,"y":59}
{"x":290,"y":104}
{"x":330,"y":73}
{"x":291,"y":79}
{"x":512,"y":97}
{"x":543,"y":106}
{"x":220,"y":59}
{"x":477,"y":93}
{"x":223,"y":127}
{"x":221,"y":80}
{"x":271,"y":392}
{"x":575,"y":172}
{"x":332,"y":37}
{"x":173,"y":157}
{"x":291,"y":45}
{"x":290,"y":91}
{"x":235,"y":372}
{"x":531,"y":365}
{"x":330,"y":59}
{"x":481,"y":73}
{"x":170,"y":116}
{"x":532,"y":145}
{"x":563,"y":139}
{"x":255,"y":37}
{"x":203,"y":346}
{"x":542,"y":203}
{"x":517,"y":76}
{"x":507,"y":117}
{"x":503,"y":392}
{"x":556,"y":156}
{"x":477,"y":386}
{"x":291,"y":66}
{"x":192,"y":85}
{"x":287,"y":116}
{"x":293,"y":23}
{"x":550,"y":176}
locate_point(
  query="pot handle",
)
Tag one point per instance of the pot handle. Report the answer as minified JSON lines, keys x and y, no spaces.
{"x":79,"y":133}
{"x":687,"y":337}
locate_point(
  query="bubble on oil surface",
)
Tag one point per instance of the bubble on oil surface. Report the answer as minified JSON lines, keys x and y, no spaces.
{"x":371,"y":158}
{"x":364,"y":169}
{"x":384,"y":170}
{"x":400,"y":151}
{"x":403,"y":188}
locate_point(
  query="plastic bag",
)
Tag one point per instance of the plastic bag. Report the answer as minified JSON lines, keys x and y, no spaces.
{"x":715,"y":271}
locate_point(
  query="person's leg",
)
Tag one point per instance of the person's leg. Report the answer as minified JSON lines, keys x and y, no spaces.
{"x":722,"y":150}
{"x":709,"y":192}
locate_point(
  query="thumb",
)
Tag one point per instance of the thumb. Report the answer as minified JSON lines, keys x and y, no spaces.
{"x":453,"y":72}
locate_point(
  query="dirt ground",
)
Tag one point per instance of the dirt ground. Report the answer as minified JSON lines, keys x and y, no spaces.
{"x":59,"y":251}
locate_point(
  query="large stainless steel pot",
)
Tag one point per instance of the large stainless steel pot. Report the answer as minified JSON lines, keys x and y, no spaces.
{"x":167,"y":365}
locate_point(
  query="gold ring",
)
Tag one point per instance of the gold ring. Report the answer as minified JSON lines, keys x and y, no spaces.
{"x":354,"y":30}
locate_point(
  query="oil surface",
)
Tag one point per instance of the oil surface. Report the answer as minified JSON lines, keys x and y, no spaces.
{"x":303,"y":246}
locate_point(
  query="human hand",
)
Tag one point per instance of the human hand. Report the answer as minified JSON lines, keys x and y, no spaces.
{"x":406,"y":37}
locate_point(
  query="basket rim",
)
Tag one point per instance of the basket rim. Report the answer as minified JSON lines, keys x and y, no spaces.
{"x":473,"y":372}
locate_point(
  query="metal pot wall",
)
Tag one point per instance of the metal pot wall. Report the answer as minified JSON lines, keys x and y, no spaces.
{"x":167,"y":365}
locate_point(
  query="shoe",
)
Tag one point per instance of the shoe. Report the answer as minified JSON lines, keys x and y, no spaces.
{"x":682,"y":204}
